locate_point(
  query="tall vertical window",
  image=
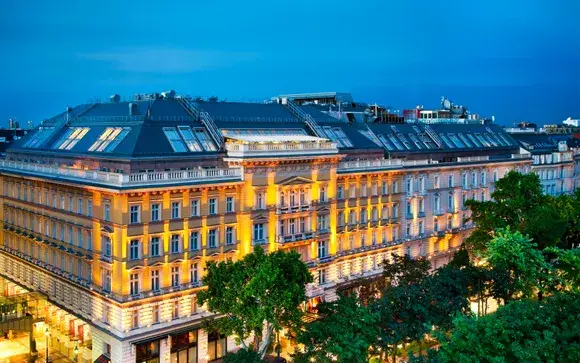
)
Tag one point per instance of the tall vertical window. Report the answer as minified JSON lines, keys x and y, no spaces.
{"x":322,"y":193}
{"x":260,"y":200}
{"x":175,"y":276}
{"x":134,"y":250}
{"x":107,"y":211}
{"x":175,"y":210}
{"x":340,"y":192}
{"x":155,"y":313}
{"x":155,"y":247}
{"x":229,"y":204}
{"x":258,"y":232}
{"x":134,"y":284}
{"x":194,"y":273}
{"x":134,"y":319}
{"x":107,"y":247}
{"x":436,"y":183}
{"x":135,"y":213}
{"x":229,"y":235}
{"x":363,"y":190}
{"x":89,"y":208}
{"x":194,"y":244}
{"x":194,"y":207}
{"x":450,"y":202}
{"x":155,"y":212}
{"x":80,"y":206}
{"x":212,"y":238}
{"x":155,"y":280}
{"x":451,"y":180}
{"x":175,"y":243}
{"x":106,"y":280}
{"x":212,"y":206}
{"x":322,"y":248}
{"x":436,"y":224}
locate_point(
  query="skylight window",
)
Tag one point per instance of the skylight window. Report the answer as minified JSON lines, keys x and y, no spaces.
{"x":183,"y":139}
{"x":386,"y":142}
{"x":396,"y":142}
{"x":447,"y":141}
{"x":416,"y":141}
{"x":465,"y":140}
{"x":456,"y":141}
{"x":505,"y":139}
{"x":482,"y":140}
{"x":39,"y":138}
{"x":474,"y":140}
{"x":273,"y":132}
{"x":490,"y":139}
{"x":189,"y":138}
{"x":109,"y":139}
{"x":70,"y":138}
{"x":404,"y":140}
{"x":337,"y":135}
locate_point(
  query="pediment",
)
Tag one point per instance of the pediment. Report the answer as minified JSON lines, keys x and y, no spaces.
{"x":295,"y":180}
{"x":260,"y":218}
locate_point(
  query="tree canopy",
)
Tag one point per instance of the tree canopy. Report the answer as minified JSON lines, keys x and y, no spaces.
{"x":521,"y":331}
{"x":344,"y":332}
{"x":260,"y":290}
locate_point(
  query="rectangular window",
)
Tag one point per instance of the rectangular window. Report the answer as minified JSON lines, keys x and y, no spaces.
{"x":135,"y":213}
{"x":175,"y":243}
{"x":175,"y":276}
{"x":322,"y":195}
{"x":229,"y":204}
{"x":80,"y":206}
{"x":194,"y":203}
{"x":352,"y":191}
{"x":134,"y":319}
{"x":155,"y":212}
{"x":109,"y":139}
{"x":260,"y":200}
{"x":258,"y":232}
{"x":194,"y":273}
{"x":155,"y":280}
{"x":322,"y":249}
{"x":194,"y":244}
{"x":134,"y":284}
{"x":229,"y":235}
{"x":155,"y":248}
{"x":212,"y":238}
{"x":107,"y":212}
{"x":90,"y":208}
{"x":106,"y":280}
{"x":363,"y":190}
{"x":212,"y":206}
{"x":134,"y":247}
{"x":175,"y":210}
{"x":340,"y":192}
{"x":436,"y":182}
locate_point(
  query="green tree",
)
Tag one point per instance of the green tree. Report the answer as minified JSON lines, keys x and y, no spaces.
{"x":517,"y":202}
{"x":242,"y":356}
{"x":522,"y":331}
{"x":514,"y":258}
{"x":260,"y":290}
{"x":344,"y":332}
{"x":565,"y":268}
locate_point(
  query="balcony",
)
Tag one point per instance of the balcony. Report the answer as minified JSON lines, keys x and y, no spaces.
{"x":296,"y":237}
{"x":259,"y":242}
{"x":293,"y":208}
{"x":251,"y":147}
{"x":122,"y":180}
{"x":314,"y":291}
{"x":105,"y":258}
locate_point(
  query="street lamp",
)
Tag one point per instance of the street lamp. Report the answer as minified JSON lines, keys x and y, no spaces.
{"x":47,"y":334}
{"x":76,"y":352}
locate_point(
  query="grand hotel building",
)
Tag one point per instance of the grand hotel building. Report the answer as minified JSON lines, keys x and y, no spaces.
{"x":113,"y":209}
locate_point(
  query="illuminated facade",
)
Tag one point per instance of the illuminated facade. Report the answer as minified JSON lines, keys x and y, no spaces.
{"x":113,"y":210}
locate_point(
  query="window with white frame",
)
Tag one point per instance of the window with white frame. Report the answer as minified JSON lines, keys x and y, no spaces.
{"x":436,"y":183}
{"x":155,"y":313}
{"x":363,"y":190}
{"x":194,"y":272}
{"x":374,"y":189}
{"x":352,"y":191}
{"x":194,"y":243}
{"x":230,"y":232}
{"x":213,"y":206}
{"x":134,"y":318}
{"x":155,"y":212}
{"x":450,"y":202}
{"x":436,"y":224}
{"x":175,"y":245}
{"x":212,"y":238}
{"x":106,"y":277}
{"x":260,"y":200}
{"x":135,"y":213}
{"x":340,"y":192}
{"x":229,"y":204}
{"x":385,"y":187}
{"x":155,"y":280}
{"x":258,"y":232}
{"x":155,"y":247}
{"x":134,"y":249}
{"x":175,"y":209}
{"x":322,"y":249}
{"x":106,"y":211}
{"x":175,"y":276}
{"x":134,"y":283}
{"x":194,"y":207}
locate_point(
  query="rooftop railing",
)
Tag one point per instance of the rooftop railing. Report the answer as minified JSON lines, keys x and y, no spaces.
{"x":122,"y":180}
{"x":281,"y":148}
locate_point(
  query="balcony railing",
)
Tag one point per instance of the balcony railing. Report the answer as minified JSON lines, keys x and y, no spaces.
{"x":122,"y":180}
{"x":296,"y":237}
{"x":280,"y":148}
{"x":293,"y":208}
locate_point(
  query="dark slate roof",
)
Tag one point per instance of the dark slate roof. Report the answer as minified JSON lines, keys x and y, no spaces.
{"x":318,"y":115}
{"x":536,"y":143}
{"x":248,"y":112}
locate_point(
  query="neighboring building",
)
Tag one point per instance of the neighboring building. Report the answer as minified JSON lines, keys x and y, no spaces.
{"x":9,"y":136}
{"x":571,"y":122}
{"x":113,"y":209}
{"x":553,"y":160}
{"x":447,"y":113}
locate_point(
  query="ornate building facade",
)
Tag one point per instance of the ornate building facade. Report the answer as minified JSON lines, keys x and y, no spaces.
{"x":113,"y":209}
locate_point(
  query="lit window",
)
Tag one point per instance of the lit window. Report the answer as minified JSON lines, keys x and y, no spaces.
{"x":109,"y":139}
{"x":70,"y":138}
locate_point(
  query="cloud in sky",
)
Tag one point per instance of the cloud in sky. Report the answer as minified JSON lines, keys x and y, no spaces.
{"x":167,"y":59}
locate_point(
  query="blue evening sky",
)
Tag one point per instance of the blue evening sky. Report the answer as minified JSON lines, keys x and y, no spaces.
{"x":515,"y":59}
